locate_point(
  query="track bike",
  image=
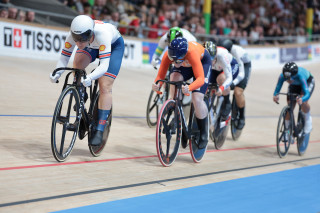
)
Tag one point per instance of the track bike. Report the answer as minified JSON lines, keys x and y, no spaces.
{"x":71,"y":117}
{"x":173,"y":129}
{"x":218,"y":128}
{"x":286,"y":135}
{"x":156,"y":101}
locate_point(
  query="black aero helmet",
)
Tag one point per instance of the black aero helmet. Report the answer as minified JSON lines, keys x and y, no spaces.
{"x":174,"y":32}
{"x":289,"y":69}
{"x":226,"y":43}
{"x":211,"y":47}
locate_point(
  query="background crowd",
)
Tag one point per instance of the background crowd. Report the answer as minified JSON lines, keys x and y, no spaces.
{"x":246,"y":21}
{"x":11,"y":12}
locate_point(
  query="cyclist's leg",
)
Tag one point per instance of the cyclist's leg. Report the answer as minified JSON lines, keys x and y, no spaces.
{"x":105,"y":87}
{"x":238,"y":93}
{"x":201,"y":109}
{"x":226,"y":105}
{"x":305,"y":107}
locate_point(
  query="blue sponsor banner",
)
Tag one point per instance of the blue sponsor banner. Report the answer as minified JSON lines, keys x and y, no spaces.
{"x":294,"y":54}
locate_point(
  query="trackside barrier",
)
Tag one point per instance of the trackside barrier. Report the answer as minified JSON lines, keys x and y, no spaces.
{"x":38,"y":42}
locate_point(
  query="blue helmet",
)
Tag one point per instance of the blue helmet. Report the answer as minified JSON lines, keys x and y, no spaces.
{"x":178,"y":49}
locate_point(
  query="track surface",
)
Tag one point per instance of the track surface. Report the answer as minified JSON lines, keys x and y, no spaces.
{"x":32,"y":181}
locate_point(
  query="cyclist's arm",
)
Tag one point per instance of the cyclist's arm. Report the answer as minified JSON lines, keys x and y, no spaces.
{"x":226,"y":66}
{"x":241,"y":70}
{"x":165,"y":63}
{"x":161,"y":46}
{"x":197,"y":68}
{"x":66,"y":52}
{"x":104,"y":56}
{"x":279,"y":85}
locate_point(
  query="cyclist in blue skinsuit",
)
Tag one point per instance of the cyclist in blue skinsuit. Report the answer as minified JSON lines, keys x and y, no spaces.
{"x":302,"y":82}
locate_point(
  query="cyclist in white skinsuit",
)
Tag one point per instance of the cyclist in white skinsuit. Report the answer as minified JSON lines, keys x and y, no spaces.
{"x":225,"y":70}
{"x":94,"y":39}
{"x":244,"y":62}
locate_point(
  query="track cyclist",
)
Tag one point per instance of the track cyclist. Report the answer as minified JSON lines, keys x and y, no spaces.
{"x":301,"y":82}
{"x":244,"y":62}
{"x":94,"y":39}
{"x":190,"y":60}
{"x":174,"y":32}
{"x":225,"y":71}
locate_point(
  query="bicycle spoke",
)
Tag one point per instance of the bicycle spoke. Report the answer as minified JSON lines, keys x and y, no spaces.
{"x":62,"y":139}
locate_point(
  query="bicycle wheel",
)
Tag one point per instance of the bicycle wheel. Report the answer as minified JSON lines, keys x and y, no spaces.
{"x":65,"y":124}
{"x":234,"y":120}
{"x":168,"y":135}
{"x":282,"y":144}
{"x":96,"y":150}
{"x":154,"y":105}
{"x":302,"y":138}
{"x":196,"y":153}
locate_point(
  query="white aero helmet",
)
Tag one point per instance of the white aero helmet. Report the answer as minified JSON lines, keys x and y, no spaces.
{"x":82,"y":28}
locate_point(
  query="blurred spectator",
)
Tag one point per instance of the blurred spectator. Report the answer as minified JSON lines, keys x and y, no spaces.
{"x":4,"y":13}
{"x":6,"y":2}
{"x":12,"y":13}
{"x":21,"y":15}
{"x":160,"y":26}
{"x":30,"y":15}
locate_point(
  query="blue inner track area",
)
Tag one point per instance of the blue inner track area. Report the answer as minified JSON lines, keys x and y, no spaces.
{"x":296,"y":190}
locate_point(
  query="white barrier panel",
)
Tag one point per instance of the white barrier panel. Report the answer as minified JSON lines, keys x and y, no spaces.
{"x":26,"y":41}
{"x":30,"y":42}
{"x":264,"y":57}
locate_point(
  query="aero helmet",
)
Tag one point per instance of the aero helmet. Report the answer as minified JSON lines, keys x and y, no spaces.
{"x":178,"y":49}
{"x":289,"y":69}
{"x":226,"y":43}
{"x":174,"y":32}
{"x":212,"y":48}
{"x":82,"y":28}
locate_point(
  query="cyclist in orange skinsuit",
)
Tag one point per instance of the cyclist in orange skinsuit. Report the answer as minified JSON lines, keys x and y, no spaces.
{"x":191,"y":60}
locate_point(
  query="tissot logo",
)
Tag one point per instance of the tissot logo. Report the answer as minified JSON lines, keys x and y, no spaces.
{"x":17,"y":38}
{"x":32,"y":40}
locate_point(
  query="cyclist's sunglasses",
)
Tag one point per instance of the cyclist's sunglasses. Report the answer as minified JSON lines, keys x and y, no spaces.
{"x":178,"y":61}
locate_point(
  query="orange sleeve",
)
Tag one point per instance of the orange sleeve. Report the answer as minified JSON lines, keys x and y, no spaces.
{"x":194,"y":59}
{"x":165,"y":63}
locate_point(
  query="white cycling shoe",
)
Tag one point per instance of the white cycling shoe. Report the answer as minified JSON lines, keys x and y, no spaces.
{"x":308,"y":126}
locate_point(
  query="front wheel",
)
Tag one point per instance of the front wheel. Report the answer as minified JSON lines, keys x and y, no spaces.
{"x":168,"y":134}
{"x":302,"y":138}
{"x":96,"y":150}
{"x":284,"y":133}
{"x":155,"y":102}
{"x":65,"y":123}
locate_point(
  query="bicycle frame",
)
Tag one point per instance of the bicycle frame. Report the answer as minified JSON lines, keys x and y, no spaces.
{"x":78,"y":73}
{"x":178,"y":106}
{"x":291,"y":104}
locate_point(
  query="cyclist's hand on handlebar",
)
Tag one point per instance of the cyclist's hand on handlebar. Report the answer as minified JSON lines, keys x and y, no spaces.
{"x":155,"y":87}
{"x":55,"y":78}
{"x":86,"y":82}
{"x":185,"y":89}
{"x":276,"y":98}
{"x":218,"y":92}
{"x":299,"y":100}
{"x":155,"y":61}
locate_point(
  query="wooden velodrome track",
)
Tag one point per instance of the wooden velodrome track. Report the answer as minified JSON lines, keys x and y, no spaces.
{"x":32,"y":181}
